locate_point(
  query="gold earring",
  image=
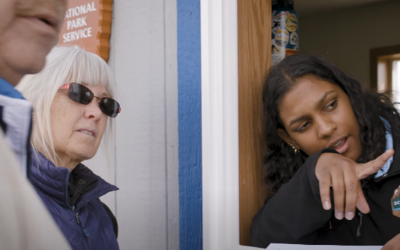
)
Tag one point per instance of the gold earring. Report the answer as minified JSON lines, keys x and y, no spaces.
{"x":296,"y":151}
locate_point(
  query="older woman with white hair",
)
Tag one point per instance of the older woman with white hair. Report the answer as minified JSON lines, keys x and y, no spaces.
{"x":73,"y":106}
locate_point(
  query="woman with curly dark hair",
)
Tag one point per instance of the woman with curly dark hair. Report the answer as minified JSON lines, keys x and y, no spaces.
{"x":331,"y":168}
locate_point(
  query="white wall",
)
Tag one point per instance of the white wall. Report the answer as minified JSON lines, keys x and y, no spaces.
{"x":345,"y":37}
{"x":143,"y":55}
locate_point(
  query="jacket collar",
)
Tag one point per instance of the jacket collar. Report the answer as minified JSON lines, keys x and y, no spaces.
{"x":7,"y":89}
{"x":395,"y":166}
{"x":53,"y":181}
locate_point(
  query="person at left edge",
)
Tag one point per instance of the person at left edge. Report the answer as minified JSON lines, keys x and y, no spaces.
{"x":28,"y":31}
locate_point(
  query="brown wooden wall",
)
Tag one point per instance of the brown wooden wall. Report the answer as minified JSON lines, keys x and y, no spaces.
{"x":254,"y":45}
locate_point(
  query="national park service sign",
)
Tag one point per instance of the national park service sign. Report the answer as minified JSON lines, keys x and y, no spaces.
{"x":88,"y":25}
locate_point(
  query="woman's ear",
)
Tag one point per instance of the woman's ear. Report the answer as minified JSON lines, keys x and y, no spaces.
{"x":282,"y":134}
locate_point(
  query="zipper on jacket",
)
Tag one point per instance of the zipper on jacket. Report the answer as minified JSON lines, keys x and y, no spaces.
{"x":360,"y":215}
{"x":85,"y":232}
{"x":79,"y":223}
{"x":78,"y":190}
{"x":359,"y":225}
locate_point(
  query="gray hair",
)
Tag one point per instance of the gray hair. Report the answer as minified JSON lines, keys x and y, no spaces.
{"x":64,"y":65}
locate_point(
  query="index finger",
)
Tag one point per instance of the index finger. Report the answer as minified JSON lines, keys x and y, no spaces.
{"x":325,"y":183}
{"x":371,"y":167}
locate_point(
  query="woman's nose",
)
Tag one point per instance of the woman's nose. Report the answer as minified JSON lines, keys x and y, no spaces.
{"x":92,"y":110}
{"x":326,"y":127}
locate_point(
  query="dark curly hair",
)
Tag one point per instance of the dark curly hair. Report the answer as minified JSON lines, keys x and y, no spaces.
{"x":280,"y":161}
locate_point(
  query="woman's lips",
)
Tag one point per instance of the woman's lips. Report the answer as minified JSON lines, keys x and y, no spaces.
{"x":90,"y":132}
{"x":341,"y":146}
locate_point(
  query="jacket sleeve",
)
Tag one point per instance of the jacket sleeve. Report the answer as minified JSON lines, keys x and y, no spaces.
{"x":294,"y":213}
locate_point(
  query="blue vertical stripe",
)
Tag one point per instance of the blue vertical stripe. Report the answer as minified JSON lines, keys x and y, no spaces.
{"x":189,"y":112}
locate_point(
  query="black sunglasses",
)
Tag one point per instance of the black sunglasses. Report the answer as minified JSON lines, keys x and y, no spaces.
{"x":81,"y":94}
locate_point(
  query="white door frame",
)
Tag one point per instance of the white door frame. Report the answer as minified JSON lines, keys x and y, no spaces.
{"x":220,"y":134}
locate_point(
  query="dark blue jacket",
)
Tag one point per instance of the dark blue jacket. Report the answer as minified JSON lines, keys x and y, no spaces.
{"x":82,"y":218}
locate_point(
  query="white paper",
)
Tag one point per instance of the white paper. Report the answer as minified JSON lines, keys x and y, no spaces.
{"x":274,"y":246}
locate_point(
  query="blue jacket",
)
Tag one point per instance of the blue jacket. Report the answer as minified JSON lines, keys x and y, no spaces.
{"x":86,"y":223}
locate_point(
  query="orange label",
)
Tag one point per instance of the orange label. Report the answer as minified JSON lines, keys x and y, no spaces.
{"x":88,"y":25}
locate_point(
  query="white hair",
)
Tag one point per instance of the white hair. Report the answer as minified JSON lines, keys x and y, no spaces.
{"x":64,"y":65}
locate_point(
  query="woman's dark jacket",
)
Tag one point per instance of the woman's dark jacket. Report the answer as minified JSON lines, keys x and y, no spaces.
{"x":73,"y":201}
{"x":295,"y":214}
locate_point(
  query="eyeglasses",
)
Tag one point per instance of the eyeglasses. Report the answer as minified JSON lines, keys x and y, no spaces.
{"x":81,"y":94}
